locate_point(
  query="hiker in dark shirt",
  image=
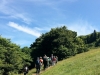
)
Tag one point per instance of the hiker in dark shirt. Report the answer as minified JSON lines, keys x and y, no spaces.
{"x":37,"y":64}
{"x":45,"y":61}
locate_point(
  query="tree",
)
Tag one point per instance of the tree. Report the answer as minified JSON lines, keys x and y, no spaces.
{"x":59,"y":41}
{"x":12,"y":59}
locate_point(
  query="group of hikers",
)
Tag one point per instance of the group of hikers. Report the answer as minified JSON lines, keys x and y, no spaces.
{"x":43,"y":63}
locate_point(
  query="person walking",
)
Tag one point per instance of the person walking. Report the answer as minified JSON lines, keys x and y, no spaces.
{"x":51,"y":59}
{"x":37,"y":64}
{"x":48,"y":62}
{"x":45,"y":61}
{"x":41,"y":63}
{"x":56,"y":59}
{"x":26,"y":69}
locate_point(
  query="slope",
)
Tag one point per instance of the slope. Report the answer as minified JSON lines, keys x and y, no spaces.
{"x":87,"y":63}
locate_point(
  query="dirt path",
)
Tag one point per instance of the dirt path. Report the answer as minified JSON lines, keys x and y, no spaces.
{"x":44,"y":70}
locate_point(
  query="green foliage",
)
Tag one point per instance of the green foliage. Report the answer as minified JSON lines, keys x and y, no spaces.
{"x":97,"y":42}
{"x":92,"y":40}
{"x":27,"y":55}
{"x":12,"y":58}
{"x":59,"y":41}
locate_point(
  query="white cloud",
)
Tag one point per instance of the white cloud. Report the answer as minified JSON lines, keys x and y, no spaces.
{"x":7,"y":8}
{"x":82,"y":27}
{"x":23,"y":17}
{"x":24,"y":29}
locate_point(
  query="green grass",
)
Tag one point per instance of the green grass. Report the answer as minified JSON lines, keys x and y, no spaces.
{"x":87,"y":63}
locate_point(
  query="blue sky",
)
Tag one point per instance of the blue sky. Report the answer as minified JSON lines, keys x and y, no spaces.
{"x":25,"y":20}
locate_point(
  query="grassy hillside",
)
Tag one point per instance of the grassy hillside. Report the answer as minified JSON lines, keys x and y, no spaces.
{"x":82,"y":64}
{"x":87,"y":63}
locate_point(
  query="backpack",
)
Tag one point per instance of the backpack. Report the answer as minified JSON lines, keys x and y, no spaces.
{"x":37,"y":62}
{"x":41,"y":61}
{"x":54,"y":59}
